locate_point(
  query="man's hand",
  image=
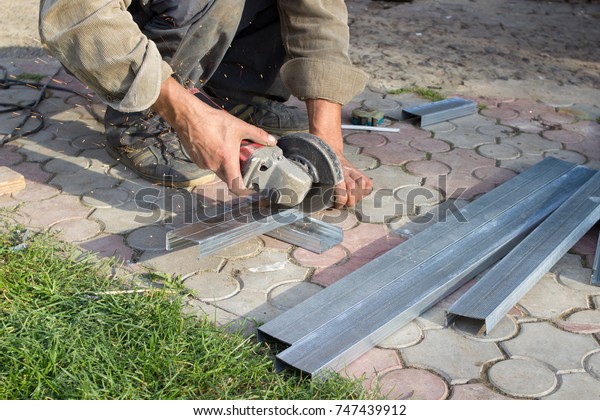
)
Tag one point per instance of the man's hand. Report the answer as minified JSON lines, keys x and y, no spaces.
{"x":325,"y":122}
{"x":210,"y":136}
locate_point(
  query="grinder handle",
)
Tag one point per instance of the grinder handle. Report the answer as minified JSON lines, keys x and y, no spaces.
{"x":247,"y":148}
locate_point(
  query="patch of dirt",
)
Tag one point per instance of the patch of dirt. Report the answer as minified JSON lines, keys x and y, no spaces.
{"x":508,"y":48}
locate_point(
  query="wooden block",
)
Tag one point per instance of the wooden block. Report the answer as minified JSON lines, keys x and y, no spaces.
{"x":10,"y":181}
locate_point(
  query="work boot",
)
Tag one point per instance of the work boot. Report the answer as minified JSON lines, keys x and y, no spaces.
{"x":272,"y":116}
{"x":146,"y":144}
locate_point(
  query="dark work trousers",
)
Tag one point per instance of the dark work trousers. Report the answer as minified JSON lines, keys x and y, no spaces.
{"x":230,"y":48}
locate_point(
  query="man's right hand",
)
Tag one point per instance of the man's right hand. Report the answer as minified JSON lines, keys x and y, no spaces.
{"x":210,"y":136}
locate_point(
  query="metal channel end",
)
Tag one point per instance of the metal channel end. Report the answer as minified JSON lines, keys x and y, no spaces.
{"x":503,"y":286}
{"x":311,"y":234}
{"x":440,"y":111}
{"x":596,"y":266}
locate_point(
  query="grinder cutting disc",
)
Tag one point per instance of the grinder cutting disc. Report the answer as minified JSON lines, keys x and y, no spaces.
{"x":318,"y":159}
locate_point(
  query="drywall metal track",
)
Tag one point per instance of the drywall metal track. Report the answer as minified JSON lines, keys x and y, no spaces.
{"x":486,"y":303}
{"x":339,"y":323}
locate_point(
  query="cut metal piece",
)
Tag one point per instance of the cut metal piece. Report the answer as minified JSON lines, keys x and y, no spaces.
{"x":439,"y":111}
{"x":229,"y":228}
{"x":504,"y":285}
{"x":350,"y":291}
{"x":351,"y":333}
{"x":596,"y":267}
{"x":311,"y":234}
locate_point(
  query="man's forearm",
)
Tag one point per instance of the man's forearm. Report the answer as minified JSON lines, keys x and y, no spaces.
{"x":324,"y":119}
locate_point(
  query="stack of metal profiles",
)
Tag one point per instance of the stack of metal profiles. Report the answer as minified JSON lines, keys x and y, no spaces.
{"x":337,"y":325}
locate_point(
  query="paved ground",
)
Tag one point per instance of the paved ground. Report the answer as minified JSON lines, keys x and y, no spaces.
{"x":548,"y":347}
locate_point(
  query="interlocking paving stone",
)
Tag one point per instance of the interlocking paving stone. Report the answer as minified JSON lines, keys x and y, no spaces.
{"x":35,"y":191}
{"x":67,"y":165}
{"x":588,"y":316}
{"x":430,"y":145}
{"x":531,"y":144}
{"x":459,"y":185}
{"x":351,"y":150}
{"x":591,"y":363}
{"x":574,"y":276}
{"x":328,"y":275}
{"x":498,"y":131}
{"x":442,"y":127}
{"x":521,"y":164}
{"x":540,"y":340}
{"x":32,"y":172}
{"x":333,"y":256}
{"x":523,"y":378}
{"x":369,"y":241}
{"x":266,"y":270}
{"x":9,"y":155}
{"x":127,"y":217}
{"x":475,"y":392}
{"x":369,"y":364}
{"x":251,"y":305}
{"x":82,"y":182}
{"x":501,"y":113}
{"x":505,"y":330}
{"x":341,"y":218}
{"x":107,"y":246}
{"x":557,"y":117}
{"x":381,"y":206}
{"x":106,"y":197}
{"x":567,"y":156}
{"x":465,"y":138}
{"x":417,"y":384}
{"x":287,"y":295}
{"x":275,"y":244}
{"x":47,"y":212}
{"x":416,"y":196}
{"x":563,"y":136}
{"x":213,"y":314}
{"x":76,"y":230}
{"x":122,"y":172}
{"x":427,"y":168}
{"x":245,"y":249}
{"x":394,"y":153}
{"x":182,"y":261}
{"x":457,"y":357}
{"x":42,"y":152}
{"x":549,"y":299}
{"x":499,"y":151}
{"x":427,"y":215}
{"x":462,"y":159}
{"x":409,"y":335}
{"x":493,"y":174}
{"x":366,"y":139}
{"x":391,"y":177}
{"x":576,"y":386}
{"x":363,"y":162}
{"x":148,"y":238}
{"x":589,"y":129}
{"x":527,"y":125}
{"x":99,"y":158}
{"x":589,"y":148}
{"x":584,"y":111}
{"x":472,"y":121}
{"x":212,"y":287}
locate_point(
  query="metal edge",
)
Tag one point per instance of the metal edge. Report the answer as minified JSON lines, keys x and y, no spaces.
{"x":311,"y":234}
{"x":596,"y":266}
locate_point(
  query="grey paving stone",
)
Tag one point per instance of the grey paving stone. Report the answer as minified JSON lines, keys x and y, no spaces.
{"x":523,"y":378}
{"x":505,"y":330}
{"x":499,"y":151}
{"x":148,"y":238}
{"x":181,"y":262}
{"x":531,"y":144}
{"x":380,"y":207}
{"x":407,"y":336}
{"x":351,"y":150}
{"x":106,"y":197}
{"x":67,"y":165}
{"x":497,"y":131}
{"x":363,"y":162}
{"x":122,"y":172}
{"x":457,"y":357}
{"x":596,"y":301}
{"x":99,"y":158}
{"x":251,"y":305}
{"x":286,"y":296}
{"x":588,"y":316}
{"x":567,"y":155}
{"x":245,"y":249}
{"x":548,"y":299}
{"x":475,"y":392}
{"x":81,"y":182}
{"x":384,"y":105}
{"x":591,"y":363}
{"x":127,"y":217}
{"x":267,"y":270}
{"x":473,"y":121}
{"x":42,"y":152}
{"x":522,"y":163}
{"x":465,"y":138}
{"x":576,"y":386}
{"x":391,"y":177}
{"x":585,"y":111}
{"x":89,"y":142}
{"x":212,"y":313}
{"x":442,"y":127}
{"x":35,"y":191}
{"x":541,"y":340}
{"x":212,"y":287}
{"x":575,"y":276}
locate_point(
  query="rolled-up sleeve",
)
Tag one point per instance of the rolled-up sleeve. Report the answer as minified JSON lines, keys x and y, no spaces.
{"x":101,"y":45}
{"x":316,"y":37}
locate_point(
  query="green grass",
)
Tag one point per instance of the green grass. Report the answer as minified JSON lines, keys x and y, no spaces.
{"x":61,"y":337}
{"x":423,"y":92}
{"x":598,"y":120}
{"x":34,"y":77}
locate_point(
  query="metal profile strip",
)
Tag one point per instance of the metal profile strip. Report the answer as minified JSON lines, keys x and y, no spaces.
{"x":222,"y":231}
{"x":350,"y":291}
{"x":486,"y":303}
{"x":311,"y":234}
{"x":439,"y":111}
{"x":596,"y":266}
{"x":351,"y":333}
